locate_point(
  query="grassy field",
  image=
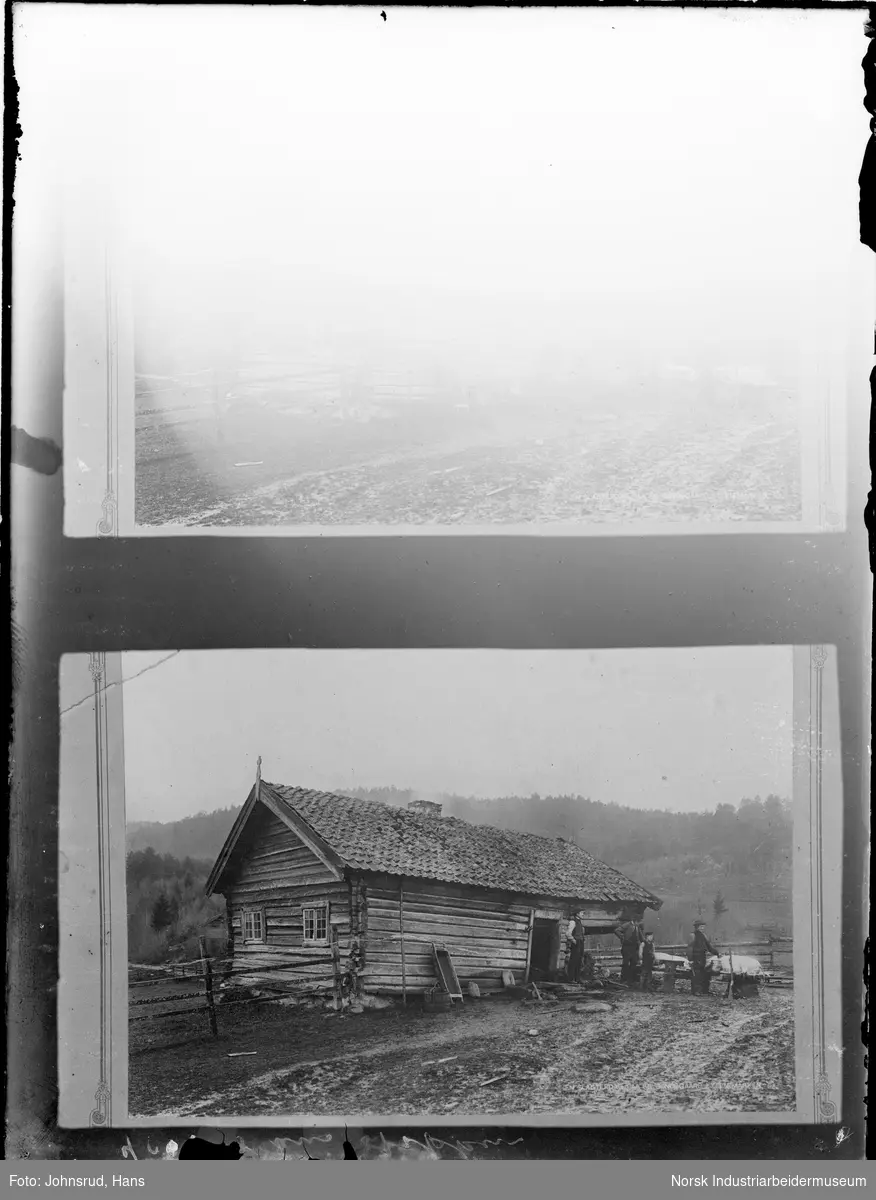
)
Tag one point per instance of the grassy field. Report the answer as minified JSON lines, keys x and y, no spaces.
{"x":648,"y":1054}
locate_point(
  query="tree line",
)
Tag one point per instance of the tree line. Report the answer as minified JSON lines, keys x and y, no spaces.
{"x":751,"y":839}
{"x":167,"y":908}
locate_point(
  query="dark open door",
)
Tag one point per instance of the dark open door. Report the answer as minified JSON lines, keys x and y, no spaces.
{"x":544,"y":952}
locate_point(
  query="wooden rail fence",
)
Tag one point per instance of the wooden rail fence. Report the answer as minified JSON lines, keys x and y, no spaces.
{"x":194,"y":980}
{"x":767,"y":953}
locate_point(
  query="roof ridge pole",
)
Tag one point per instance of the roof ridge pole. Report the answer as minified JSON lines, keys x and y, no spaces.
{"x":258,"y":782}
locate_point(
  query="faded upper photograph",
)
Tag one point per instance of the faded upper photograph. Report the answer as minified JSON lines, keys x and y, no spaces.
{"x":536,"y":271}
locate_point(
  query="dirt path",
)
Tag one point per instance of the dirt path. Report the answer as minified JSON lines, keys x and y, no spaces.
{"x":647,"y":1054}
{"x":493,"y":469}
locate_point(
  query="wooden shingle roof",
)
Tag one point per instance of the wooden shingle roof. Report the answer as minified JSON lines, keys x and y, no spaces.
{"x":367,"y":836}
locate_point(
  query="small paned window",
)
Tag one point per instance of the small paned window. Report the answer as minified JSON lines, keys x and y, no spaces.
{"x":315,"y":919}
{"x":254,"y":926}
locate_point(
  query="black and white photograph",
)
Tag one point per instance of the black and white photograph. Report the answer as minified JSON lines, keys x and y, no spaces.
{"x":462,"y":884}
{"x":567,"y":294}
{"x":440,"y":605}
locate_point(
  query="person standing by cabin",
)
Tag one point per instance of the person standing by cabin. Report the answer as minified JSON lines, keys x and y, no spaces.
{"x":647,"y":962}
{"x":576,"y":957}
{"x":629,"y":934}
{"x":698,"y":947}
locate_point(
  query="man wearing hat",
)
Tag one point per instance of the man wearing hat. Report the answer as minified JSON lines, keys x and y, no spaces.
{"x":698,"y":947}
{"x":576,"y":933}
{"x":629,"y":934}
{"x":648,"y":960}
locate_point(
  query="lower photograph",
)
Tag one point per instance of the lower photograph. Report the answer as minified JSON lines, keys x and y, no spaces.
{"x":359,"y":887}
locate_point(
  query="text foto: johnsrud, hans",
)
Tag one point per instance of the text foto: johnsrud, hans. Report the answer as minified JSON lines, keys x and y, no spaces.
{"x":62,"y":1181}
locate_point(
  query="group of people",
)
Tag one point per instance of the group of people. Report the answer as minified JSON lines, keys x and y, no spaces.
{"x":638,"y":955}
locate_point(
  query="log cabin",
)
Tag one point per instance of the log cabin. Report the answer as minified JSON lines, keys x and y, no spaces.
{"x":305,"y":873}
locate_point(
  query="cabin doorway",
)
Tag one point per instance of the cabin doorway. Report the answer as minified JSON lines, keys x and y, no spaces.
{"x":544,"y":955}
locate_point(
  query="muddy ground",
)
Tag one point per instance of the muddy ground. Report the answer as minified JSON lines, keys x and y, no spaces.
{"x":270,"y":466}
{"x":648,"y":1054}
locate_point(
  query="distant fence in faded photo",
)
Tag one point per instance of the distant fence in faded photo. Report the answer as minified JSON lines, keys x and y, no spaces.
{"x":196,"y":989}
{"x":775,"y":955}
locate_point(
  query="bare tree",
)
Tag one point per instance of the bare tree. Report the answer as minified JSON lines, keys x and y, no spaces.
{"x":719,"y":908}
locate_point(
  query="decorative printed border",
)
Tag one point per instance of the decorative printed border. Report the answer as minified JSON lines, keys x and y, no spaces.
{"x":107,"y":526}
{"x":98,"y":363}
{"x":817,"y":900}
{"x":830,"y":517}
{"x":825,"y":1109}
{"x":101,"y":1114}
{"x":92,"y":985}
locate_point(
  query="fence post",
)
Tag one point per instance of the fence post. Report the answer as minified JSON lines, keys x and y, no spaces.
{"x":336,"y":967}
{"x":208,"y":984}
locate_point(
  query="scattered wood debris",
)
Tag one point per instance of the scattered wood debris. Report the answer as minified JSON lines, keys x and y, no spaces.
{"x":570,"y":991}
{"x":496,"y":1078}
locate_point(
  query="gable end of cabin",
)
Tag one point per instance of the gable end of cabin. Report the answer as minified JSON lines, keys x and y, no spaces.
{"x":285,"y":905}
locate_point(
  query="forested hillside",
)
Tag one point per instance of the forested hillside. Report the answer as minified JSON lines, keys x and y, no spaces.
{"x":200,"y":836}
{"x":731,"y":865}
{"x":167,"y":908}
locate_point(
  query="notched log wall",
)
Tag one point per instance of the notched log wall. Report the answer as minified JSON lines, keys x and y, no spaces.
{"x":275,"y":873}
{"x":485,"y":932}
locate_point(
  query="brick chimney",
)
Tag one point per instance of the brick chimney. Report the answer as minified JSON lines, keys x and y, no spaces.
{"x":424,"y":808}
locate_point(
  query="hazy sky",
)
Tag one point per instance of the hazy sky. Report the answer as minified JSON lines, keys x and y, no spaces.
{"x":495,"y":181}
{"x":659,"y":728}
